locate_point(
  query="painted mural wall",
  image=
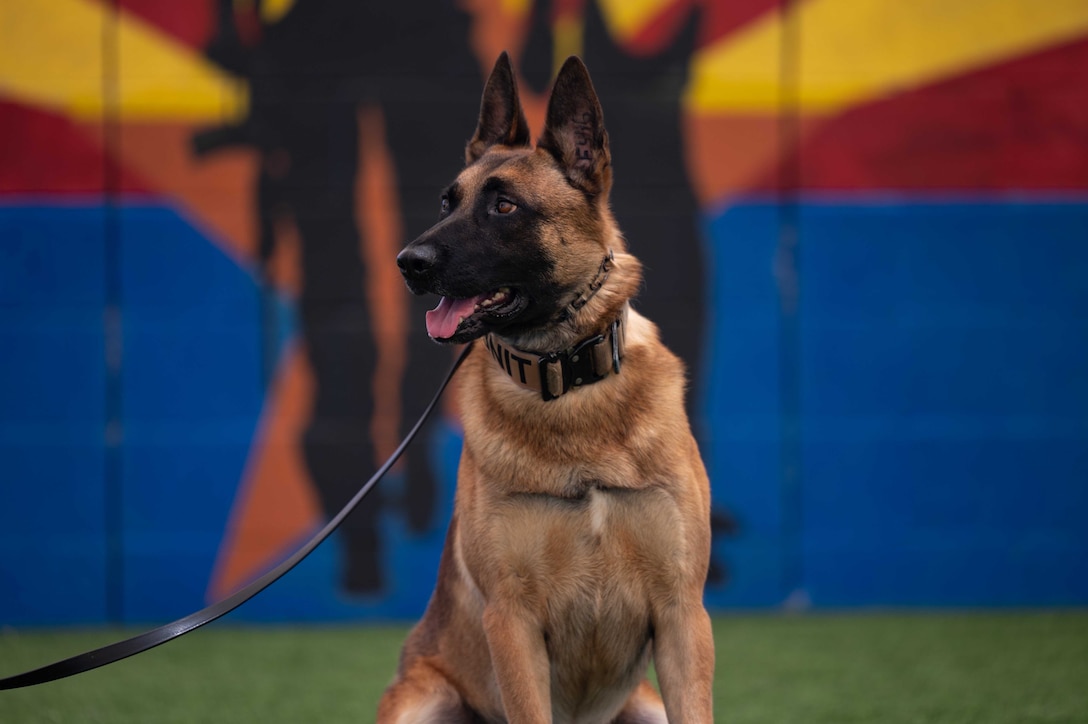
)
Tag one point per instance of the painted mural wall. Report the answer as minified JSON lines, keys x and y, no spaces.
{"x":864,"y":223}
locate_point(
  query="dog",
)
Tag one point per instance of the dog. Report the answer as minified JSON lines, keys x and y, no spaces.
{"x":580,"y":538}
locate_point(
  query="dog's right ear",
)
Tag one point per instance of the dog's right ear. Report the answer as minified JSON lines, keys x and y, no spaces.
{"x":501,"y":118}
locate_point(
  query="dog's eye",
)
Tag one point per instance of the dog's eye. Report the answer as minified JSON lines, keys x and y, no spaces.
{"x":445,"y":204}
{"x":505,"y":206}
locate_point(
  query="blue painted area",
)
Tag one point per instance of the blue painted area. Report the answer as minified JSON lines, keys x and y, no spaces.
{"x":944,"y":413}
{"x":52,"y":364}
{"x":741,"y":406}
{"x":192,"y":396}
{"x":945,"y":403}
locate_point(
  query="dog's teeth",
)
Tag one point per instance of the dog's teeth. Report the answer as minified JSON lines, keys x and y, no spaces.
{"x":499,"y":296}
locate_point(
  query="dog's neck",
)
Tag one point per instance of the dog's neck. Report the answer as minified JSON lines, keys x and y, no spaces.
{"x":591,"y":289}
{"x":592,"y":307}
{"x":591,"y":327}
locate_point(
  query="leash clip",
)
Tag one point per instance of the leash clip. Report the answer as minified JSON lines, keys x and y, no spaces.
{"x":616,"y":346}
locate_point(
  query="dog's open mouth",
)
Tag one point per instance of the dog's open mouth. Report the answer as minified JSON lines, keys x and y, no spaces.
{"x":458,"y":320}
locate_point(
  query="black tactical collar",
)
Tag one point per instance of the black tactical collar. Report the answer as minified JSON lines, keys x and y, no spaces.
{"x":553,"y":375}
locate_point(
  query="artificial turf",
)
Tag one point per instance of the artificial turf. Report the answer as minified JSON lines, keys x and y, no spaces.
{"x":989,"y":668}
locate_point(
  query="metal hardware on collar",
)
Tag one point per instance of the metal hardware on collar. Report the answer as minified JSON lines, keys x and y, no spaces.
{"x":616,"y":346}
{"x":557,"y":373}
{"x":149,"y":639}
{"x":594,"y":286}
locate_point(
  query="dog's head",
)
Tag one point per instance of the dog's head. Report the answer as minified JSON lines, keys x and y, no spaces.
{"x":523,"y":232}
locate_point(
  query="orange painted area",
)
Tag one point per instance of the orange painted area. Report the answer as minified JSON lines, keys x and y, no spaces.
{"x":382,"y":236}
{"x":284,"y":269}
{"x":215,"y":192}
{"x":275,"y":505}
{"x":726,"y":153}
{"x":730,"y":154}
{"x":497,"y":25}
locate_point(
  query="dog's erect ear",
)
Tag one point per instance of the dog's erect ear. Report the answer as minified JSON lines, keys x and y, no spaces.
{"x":574,"y":132}
{"x":501,"y":118}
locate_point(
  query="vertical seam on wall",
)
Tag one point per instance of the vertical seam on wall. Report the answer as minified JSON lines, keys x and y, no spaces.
{"x":113,"y":340}
{"x":787,"y":272}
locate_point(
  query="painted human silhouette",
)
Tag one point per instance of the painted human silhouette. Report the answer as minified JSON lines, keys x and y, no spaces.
{"x":308,"y":74}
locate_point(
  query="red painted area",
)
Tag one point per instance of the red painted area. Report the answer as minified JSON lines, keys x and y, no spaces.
{"x":716,"y":20}
{"x":43,"y":152}
{"x":724,"y":18}
{"x":190,"y":21}
{"x":1022,"y":124}
{"x":657,"y":34}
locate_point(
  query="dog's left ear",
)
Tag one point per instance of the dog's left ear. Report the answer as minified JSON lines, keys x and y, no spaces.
{"x":574,"y":131}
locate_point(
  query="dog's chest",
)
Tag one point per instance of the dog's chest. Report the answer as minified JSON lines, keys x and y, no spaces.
{"x":597,"y":620}
{"x":597,"y":598}
{"x":590,"y":524}
{"x":587,"y":549}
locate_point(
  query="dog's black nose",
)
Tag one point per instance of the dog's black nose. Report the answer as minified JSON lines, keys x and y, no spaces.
{"x":416,"y":261}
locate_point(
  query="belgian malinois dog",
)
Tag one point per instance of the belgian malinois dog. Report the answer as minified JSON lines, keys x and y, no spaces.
{"x":580,"y":537}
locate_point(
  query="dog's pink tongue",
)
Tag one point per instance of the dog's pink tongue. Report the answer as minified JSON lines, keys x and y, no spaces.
{"x":442,"y":321}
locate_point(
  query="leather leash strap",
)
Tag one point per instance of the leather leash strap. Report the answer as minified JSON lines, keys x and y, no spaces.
{"x":149,"y":639}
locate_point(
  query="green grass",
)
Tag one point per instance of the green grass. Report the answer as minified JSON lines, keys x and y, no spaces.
{"x":989,"y":668}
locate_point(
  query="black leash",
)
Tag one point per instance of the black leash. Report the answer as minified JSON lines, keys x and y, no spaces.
{"x":138,"y":644}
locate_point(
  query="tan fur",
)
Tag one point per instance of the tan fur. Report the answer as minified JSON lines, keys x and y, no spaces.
{"x":580,"y":540}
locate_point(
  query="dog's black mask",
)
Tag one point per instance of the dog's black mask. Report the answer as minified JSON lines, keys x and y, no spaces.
{"x":484,"y":259}
{"x":492,"y":256}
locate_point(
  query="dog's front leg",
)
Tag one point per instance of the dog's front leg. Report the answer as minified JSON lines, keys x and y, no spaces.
{"x":684,"y":659}
{"x":520,"y":660}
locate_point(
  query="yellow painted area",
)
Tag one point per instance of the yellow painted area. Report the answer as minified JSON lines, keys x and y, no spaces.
{"x":516,"y":7}
{"x":568,"y":39}
{"x":853,"y":51}
{"x":625,"y":18}
{"x":52,"y":55}
{"x":273,"y":10}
